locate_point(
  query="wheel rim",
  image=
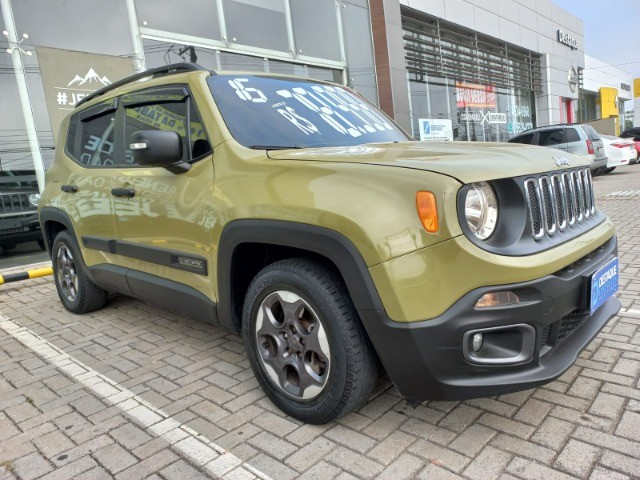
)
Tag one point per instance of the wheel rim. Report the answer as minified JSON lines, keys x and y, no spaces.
{"x":66,"y":273}
{"x":292,"y":345}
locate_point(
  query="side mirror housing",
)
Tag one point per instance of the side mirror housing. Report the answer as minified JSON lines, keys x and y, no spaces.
{"x":159,"y":148}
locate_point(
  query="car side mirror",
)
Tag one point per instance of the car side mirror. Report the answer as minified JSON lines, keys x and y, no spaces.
{"x":159,"y":148}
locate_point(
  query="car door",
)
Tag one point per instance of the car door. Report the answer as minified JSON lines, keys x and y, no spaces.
{"x":86,"y":191}
{"x":163,"y":219}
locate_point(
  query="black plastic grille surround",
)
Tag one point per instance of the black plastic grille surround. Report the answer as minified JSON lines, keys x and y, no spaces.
{"x":558,"y":197}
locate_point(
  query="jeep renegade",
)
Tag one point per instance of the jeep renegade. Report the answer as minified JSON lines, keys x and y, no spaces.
{"x":295,"y":212}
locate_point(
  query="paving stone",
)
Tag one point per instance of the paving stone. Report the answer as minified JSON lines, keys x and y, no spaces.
{"x":441,"y":456}
{"x":533,"y":412}
{"x":488,"y":464}
{"x":578,"y":458}
{"x":601,"y":473}
{"x":622,"y":463}
{"x":405,"y":466}
{"x":553,"y":433}
{"x":114,"y":458}
{"x":275,"y":424}
{"x":72,"y":470}
{"x":607,"y":405}
{"x":272,"y":467}
{"x":272,"y":445}
{"x":460,"y":418}
{"x":354,"y":463}
{"x":130,"y":436}
{"x":147,"y":466}
{"x":349,"y":438}
{"x":434,"y":472}
{"x":31,"y":466}
{"x":322,"y":470}
{"x":53,"y":443}
{"x":534,"y":471}
{"x":472,"y":440}
{"x":523,"y":448}
{"x":629,"y":426}
{"x":391,"y":447}
{"x":388,"y":422}
{"x":310,"y":454}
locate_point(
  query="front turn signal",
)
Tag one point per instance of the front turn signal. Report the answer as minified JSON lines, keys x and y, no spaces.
{"x":427,"y":211}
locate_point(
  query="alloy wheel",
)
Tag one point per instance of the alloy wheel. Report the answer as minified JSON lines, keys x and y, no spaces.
{"x":66,"y":273}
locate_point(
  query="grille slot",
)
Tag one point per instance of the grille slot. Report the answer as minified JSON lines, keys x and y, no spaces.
{"x":15,"y":202}
{"x":570,"y":322}
{"x":559,"y":201}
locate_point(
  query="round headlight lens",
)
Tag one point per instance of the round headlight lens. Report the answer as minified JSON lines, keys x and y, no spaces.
{"x":481,"y":210}
{"x":34,"y":198}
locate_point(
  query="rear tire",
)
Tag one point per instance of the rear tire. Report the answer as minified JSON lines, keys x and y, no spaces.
{"x":305,"y":342}
{"x":76,"y":291}
{"x":609,"y":170}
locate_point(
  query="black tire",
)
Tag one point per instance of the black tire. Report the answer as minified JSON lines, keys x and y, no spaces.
{"x":77,"y":292}
{"x":8,"y":246}
{"x":609,"y":170}
{"x":352,"y":368}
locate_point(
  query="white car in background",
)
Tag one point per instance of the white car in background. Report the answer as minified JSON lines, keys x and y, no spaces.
{"x":619,"y":151}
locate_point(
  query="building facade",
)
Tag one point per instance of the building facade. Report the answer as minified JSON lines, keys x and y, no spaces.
{"x":478,"y":70}
{"x":492,"y":68}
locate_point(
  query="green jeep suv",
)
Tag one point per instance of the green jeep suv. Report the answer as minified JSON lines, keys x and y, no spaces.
{"x":295,"y":212}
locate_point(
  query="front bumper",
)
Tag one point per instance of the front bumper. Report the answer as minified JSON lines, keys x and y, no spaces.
{"x":426,"y":361}
{"x":20,"y":229}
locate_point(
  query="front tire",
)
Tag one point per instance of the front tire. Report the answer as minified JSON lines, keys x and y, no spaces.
{"x":76,"y":291}
{"x":305,"y":342}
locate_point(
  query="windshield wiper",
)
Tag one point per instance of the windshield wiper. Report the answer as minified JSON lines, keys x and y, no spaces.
{"x":274,"y":147}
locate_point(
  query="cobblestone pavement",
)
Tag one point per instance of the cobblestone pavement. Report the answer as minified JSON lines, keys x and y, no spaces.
{"x":136,"y":391}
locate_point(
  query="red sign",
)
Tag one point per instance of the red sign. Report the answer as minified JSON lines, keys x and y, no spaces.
{"x":476,"y":96}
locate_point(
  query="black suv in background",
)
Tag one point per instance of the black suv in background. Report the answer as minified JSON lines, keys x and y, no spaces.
{"x":19,"y":209}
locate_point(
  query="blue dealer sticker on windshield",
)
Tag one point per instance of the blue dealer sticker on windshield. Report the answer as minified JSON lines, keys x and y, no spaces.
{"x":604,"y":283}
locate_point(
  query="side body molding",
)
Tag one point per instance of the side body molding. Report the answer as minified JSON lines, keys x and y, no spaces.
{"x":322,"y":241}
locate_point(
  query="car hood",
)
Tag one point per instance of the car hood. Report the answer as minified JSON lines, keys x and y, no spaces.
{"x":466,"y":161}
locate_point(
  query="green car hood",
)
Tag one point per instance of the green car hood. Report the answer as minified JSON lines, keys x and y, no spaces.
{"x":465,"y":161}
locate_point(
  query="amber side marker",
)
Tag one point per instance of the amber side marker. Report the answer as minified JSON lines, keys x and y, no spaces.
{"x":17,"y":277}
{"x":427,"y":211}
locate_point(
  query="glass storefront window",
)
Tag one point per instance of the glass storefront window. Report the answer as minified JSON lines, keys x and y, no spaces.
{"x":477,"y":112}
{"x":191,"y":17}
{"x":257,"y":23}
{"x":315,"y":28}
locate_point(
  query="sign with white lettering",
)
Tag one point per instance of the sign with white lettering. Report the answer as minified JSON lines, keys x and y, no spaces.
{"x":69,"y":76}
{"x":568,"y":40}
{"x":475,"y":96}
{"x":435,"y":129}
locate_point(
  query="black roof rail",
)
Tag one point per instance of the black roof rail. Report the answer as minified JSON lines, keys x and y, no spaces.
{"x":154,"y":72}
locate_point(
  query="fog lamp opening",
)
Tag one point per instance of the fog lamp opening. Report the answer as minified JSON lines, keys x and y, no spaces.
{"x":497,"y":299}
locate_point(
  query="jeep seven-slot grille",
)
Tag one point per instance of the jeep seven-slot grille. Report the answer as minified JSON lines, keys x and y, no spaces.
{"x":558,"y":201}
{"x":15,"y":202}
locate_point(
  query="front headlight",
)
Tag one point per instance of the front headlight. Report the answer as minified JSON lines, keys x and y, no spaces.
{"x":481,"y":210}
{"x":34,"y":198}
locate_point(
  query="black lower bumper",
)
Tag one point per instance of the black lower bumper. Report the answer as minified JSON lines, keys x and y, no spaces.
{"x":19,"y":230}
{"x":426,"y":360}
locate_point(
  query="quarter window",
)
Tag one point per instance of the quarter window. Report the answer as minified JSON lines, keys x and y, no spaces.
{"x":90,"y":139}
{"x":571,"y":135}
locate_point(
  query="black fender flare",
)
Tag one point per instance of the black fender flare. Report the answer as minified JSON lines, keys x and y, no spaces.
{"x":319,"y":240}
{"x":49,"y":214}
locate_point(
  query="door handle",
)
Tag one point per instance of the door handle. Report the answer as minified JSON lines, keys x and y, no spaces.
{"x":69,"y":188}
{"x":123,"y":192}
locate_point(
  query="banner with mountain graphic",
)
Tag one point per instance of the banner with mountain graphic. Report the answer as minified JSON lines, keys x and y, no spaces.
{"x":69,"y":76}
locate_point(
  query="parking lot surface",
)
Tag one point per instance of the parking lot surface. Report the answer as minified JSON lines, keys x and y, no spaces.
{"x":136,"y":391}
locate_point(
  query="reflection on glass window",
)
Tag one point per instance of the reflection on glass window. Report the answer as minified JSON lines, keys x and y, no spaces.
{"x":270,"y":113}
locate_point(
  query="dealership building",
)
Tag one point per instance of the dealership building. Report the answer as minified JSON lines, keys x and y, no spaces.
{"x":479,"y":70}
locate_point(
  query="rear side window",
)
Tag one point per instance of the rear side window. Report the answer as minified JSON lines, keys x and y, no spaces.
{"x":548,"y":138}
{"x":91,"y":133}
{"x":528,"y":138}
{"x":590,"y":132}
{"x":571,"y":135}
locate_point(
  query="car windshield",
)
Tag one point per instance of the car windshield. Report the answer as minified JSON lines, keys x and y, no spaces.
{"x":271,"y":113}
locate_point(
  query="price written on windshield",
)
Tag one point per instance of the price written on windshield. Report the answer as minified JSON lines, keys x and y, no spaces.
{"x":331,"y":104}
